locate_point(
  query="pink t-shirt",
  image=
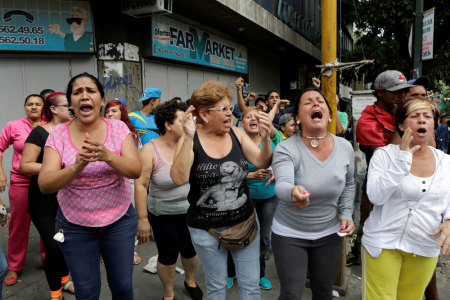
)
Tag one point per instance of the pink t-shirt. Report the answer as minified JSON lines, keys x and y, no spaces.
{"x":15,"y":133}
{"x":98,"y":195}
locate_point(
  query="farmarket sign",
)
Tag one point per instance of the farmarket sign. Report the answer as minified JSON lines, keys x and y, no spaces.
{"x":176,"y":40}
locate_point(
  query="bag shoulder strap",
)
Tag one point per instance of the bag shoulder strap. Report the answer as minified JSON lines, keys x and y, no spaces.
{"x":133,"y":114}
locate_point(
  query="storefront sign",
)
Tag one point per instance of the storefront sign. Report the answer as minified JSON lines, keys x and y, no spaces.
{"x":52,"y":25}
{"x":176,"y":40}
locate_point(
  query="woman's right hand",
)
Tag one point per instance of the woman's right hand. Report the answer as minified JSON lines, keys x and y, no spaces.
{"x":3,"y":182}
{"x":81,"y":161}
{"x":406,"y":142}
{"x":300,"y":196}
{"x":143,"y":231}
{"x":188,"y":122}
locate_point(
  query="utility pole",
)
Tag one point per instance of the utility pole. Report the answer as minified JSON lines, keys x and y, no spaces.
{"x":329,"y":41}
{"x":417,"y":40}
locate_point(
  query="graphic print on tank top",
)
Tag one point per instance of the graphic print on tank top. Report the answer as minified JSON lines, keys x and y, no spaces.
{"x":229,"y":193}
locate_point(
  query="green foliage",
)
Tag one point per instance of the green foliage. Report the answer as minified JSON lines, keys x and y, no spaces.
{"x":384,"y":27}
{"x":446,"y":109}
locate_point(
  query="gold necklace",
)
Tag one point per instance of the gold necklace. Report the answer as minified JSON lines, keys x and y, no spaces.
{"x":314,"y":139}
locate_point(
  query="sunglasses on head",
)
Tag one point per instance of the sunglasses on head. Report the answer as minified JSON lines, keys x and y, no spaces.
{"x":76,"y":20}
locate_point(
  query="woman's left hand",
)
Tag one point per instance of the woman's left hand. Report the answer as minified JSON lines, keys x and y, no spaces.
{"x":96,"y":151}
{"x":347,"y":226}
{"x":263,"y":124}
{"x":4,"y":221}
{"x":444,"y":239}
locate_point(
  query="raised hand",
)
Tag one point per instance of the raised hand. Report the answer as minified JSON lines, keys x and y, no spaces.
{"x":188,"y":122}
{"x":406,"y":142}
{"x":250,"y":97}
{"x":239,"y":83}
{"x":316,"y":82}
{"x":54,"y":28}
{"x":284,"y":102}
{"x":300,"y":196}
{"x":263,"y":124}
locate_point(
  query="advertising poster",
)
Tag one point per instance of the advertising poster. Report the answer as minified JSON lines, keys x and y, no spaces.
{"x":176,"y":40}
{"x":52,"y":25}
{"x":428,"y":31}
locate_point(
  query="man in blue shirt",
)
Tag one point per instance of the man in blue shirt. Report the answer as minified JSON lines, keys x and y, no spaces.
{"x":144,"y":119}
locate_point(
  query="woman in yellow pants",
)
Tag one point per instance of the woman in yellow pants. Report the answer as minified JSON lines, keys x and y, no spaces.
{"x":408,"y":186}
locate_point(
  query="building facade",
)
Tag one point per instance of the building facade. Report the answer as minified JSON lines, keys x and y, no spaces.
{"x":130,"y":45}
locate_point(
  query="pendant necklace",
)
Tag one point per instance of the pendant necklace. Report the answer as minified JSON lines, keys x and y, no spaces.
{"x":314,"y":139}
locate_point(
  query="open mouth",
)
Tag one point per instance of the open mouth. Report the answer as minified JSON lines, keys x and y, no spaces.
{"x":86,"y":109}
{"x":227,"y":123}
{"x":316,"y":115}
{"x":253,"y":125}
{"x":421,"y":131}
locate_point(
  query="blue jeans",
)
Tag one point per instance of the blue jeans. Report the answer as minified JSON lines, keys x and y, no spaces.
{"x":214,"y":261}
{"x":265,"y":208}
{"x":3,"y":270}
{"x":84,"y":245}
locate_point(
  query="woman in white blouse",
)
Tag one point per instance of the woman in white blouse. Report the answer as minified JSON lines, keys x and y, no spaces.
{"x":408,"y":186}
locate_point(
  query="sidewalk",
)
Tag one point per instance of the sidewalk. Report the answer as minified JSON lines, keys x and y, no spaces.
{"x":32,"y":284}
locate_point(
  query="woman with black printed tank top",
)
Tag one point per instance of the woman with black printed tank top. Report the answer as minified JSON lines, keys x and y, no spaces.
{"x":212,"y":156}
{"x":165,"y":206}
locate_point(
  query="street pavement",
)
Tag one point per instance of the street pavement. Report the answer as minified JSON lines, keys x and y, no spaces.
{"x":32,"y":284}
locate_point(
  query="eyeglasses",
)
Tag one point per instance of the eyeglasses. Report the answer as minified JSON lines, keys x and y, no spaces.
{"x":65,"y":105}
{"x":223,"y":109}
{"x":76,"y":20}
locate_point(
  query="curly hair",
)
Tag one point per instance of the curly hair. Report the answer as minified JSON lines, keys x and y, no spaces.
{"x":167,"y":112}
{"x":207,"y":95}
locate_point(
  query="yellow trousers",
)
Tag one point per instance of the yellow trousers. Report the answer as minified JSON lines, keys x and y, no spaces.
{"x":395,"y":275}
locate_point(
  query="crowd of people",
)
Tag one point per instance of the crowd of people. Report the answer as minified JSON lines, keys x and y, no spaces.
{"x":95,"y":180}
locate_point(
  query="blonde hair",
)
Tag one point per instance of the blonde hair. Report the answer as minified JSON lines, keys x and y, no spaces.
{"x":248,"y":109}
{"x":207,"y":95}
{"x":415,"y":104}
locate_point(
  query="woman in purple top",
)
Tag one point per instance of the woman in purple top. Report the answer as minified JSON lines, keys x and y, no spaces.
{"x":15,"y":133}
{"x":89,"y":161}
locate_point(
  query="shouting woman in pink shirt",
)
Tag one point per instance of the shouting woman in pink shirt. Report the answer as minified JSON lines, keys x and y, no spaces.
{"x":15,"y":133}
{"x":89,"y":161}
